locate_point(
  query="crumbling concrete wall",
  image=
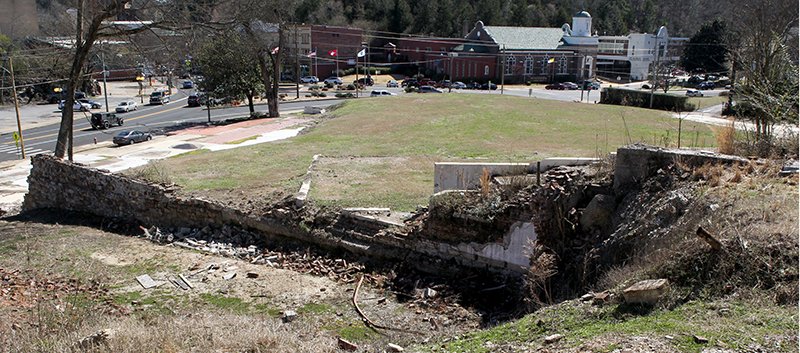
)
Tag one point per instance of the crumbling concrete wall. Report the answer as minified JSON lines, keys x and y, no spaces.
{"x":467,"y":176}
{"x":62,"y":185}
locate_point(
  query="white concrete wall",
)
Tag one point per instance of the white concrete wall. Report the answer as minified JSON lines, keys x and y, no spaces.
{"x":466,"y":176}
{"x":514,"y":250}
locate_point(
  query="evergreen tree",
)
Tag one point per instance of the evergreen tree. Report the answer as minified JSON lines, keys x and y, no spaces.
{"x":401,"y":18}
{"x":706,"y":50}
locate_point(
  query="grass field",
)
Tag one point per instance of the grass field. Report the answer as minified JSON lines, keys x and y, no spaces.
{"x":423,"y":129}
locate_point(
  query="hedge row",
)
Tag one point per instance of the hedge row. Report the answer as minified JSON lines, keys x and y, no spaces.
{"x":635,"y":98}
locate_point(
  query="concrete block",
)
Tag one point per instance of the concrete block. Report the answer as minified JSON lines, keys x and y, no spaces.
{"x":646,"y":292}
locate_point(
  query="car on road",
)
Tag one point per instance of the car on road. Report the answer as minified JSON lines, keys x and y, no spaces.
{"x":589,"y":85}
{"x":365,"y":81}
{"x":558,"y":86}
{"x":196,"y":99}
{"x":309,"y":79}
{"x":428,"y":89}
{"x":411,"y":82}
{"x":570,"y":85}
{"x":693,"y":93}
{"x":380,"y":93}
{"x":77,"y":106}
{"x":130,"y":137}
{"x":334,"y":80}
{"x":187,"y":84}
{"x":126,"y":106}
{"x":443,"y":84}
{"x":706,"y":85}
{"x":105,"y":120}
{"x":458,"y":85}
{"x":159,"y":97}
{"x":93,"y":104}
{"x":473,"y":85}
{"x":392,"y":84}
{"x":489,"y":85}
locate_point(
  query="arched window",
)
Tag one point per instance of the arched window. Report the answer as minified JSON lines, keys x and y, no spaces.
{"x":486,"y":70}
{"x":562,"y":64}
{"x":545,"y":62}
{"x":510,"y":62}
{"x":529,"y":65}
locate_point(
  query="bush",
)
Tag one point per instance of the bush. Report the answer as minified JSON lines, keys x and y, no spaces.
{"x":620,"y":96}
{"x":410,"y":89}
{"x":350,"y":87}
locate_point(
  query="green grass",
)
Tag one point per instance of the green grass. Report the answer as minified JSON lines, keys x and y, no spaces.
{"x":354,"y":331}
{"x":235,"y":305}
{"x":424,"y":129}
{"x":705,"y":102}
{"x":579,"y":323}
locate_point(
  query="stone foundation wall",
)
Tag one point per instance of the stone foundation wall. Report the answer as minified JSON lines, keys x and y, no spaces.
{"x":62,"y":185}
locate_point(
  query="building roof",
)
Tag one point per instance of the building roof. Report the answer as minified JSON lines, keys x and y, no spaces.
{"x":525,"y":38}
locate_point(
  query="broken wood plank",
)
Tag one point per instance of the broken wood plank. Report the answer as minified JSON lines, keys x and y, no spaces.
{"x":188,"y":284}
{"x":708,"y":238}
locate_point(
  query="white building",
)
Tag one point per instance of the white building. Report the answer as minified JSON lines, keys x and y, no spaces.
{"x":631,"y":57}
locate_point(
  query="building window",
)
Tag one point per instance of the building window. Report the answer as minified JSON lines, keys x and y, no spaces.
{"x":545,"y":62}
{"x":510,"y":62}
{"x":529,"y":65}
{"x":486,"y":70}
{"x":304,"y":39}
{"x":417,"y":49}
{"x":562,"y":64}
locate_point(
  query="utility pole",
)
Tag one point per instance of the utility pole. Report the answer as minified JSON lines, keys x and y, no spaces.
{"x":450,"y":88}
{"x":502,"y":72}
{"x":105,"y":76}
{"x":296,"y":64}
{"x":655,"y":73}
{"x":16,"y":106}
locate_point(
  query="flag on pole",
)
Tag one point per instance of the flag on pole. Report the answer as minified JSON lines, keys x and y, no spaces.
{"x":333,"y":52}
{"x":275,"y":50}
{"x":312,"y":54}
{"x":362,"y":53}
{"x":551,"y":60}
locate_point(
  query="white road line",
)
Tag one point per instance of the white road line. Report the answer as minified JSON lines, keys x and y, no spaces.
{"x":7,"y":148}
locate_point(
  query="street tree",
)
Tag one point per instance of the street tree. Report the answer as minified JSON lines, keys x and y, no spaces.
{"x":706,"y":50}
{"x":230,"y":69}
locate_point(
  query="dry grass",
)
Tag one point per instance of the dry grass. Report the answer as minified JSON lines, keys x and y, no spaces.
{"x":726,"y":138}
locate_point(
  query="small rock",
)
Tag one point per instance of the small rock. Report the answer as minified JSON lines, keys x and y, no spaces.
{"x":669,"y":337}
{"x":229,"y":276}
{"x":430,"y":293}
{"x":699,"y":339}
{"x":323,"y":289}
{"x":346,"y":345}
{"x":587,"y":297}
{"x":553,"y":338}
{"x":394,"y":348}
{"x":600,"y":298}
{"x":251,"y":275}
{"x":289,"y":316}
{"x":646,"y":292}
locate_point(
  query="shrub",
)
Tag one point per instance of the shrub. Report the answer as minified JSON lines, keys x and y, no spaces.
{"x":663,"y":101}
{"x":726,"y":138}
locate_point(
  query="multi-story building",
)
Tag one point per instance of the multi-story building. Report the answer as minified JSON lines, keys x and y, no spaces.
{"x":632,"y":57}
{"x":336,"y":49}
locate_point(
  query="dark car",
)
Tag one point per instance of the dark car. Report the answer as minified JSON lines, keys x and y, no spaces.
{"x":443,"y":84}
{"x":473,"y":85}
{"x":129,"y":137}
{"x":428,"y":89}
{"x":412,"y":82}
{"x":105,"y":120}
{"x":196,"y":99}
{"x":365,"y":81}
{"x":706,"y":85}
{"x":570,"y":85}
{"x":188,"y":84}
{"x":489,"y":85}
{"x":557,"y":86}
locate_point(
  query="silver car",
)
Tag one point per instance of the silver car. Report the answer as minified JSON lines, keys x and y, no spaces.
{"x":126,"y":106}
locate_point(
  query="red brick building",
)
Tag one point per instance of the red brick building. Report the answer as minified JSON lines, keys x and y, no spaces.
{"x":346,"y":41}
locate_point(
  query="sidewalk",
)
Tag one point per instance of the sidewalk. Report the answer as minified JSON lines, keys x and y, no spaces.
{"x":37,"y":114}
{"x":14,"y":174}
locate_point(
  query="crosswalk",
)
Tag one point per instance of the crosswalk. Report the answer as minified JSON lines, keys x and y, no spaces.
{"x":12,"y":149}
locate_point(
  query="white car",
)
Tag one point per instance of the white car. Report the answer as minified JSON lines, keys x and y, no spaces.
{"x":392,"y":83}
{"x":381,"y":92}
{"x":309,"y":79}
{"x":77,"y":106}
{"x":693,"y":93}
{"x":333,"y":80}
{"x":126,"y":106}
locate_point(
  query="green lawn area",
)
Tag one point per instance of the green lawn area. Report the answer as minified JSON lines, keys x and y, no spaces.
{"x":421,"y":130}
{"x":705,"y":102}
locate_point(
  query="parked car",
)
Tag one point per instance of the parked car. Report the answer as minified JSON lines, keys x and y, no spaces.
{"x":392,"y":83}
{"x":77,"y":106}
{"x":427,"y":82}
{"x":188,"y":84}
{"x":443,"y":84}
{"x":589,"y":85}
{"x":196,"y":99}
{"x":428,"y":89}
{"x":458,"y":85}
{"x":59,"y":96}
{"x":411,"y":82}
{"x":93,"y":104}
{"x":105,"y":120}
{"x":706,"y":85}
{"x":126,"y":106}
{"x":380,"y":92}
{"x":570,"y":85}
{"x":159,"y":97}
{"x":334,"y":80}
{"x":129,"y":137}
{"x":558,"y":86}
{"x":309,"y":79}
{"x":489,"y":86}
{"x":365,"y":81}
{"x":693,"y":93}
{"x":473,"y":85}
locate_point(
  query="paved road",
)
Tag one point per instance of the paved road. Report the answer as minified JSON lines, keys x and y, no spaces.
{"x":42,"y":139}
